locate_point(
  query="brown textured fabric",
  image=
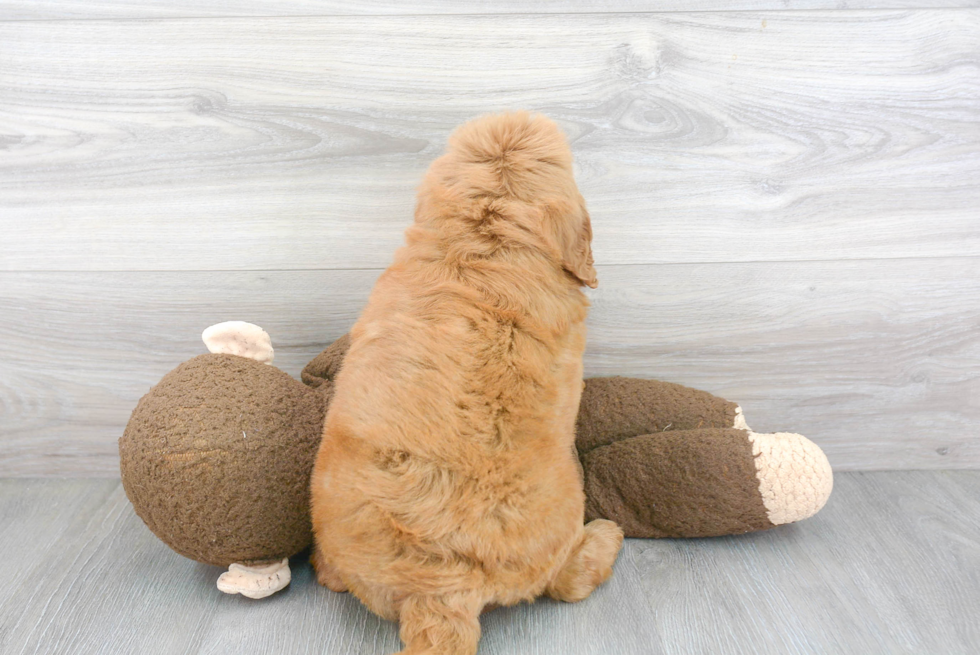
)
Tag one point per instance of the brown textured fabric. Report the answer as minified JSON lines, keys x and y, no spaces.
{"x":216,"y":460}
{"x":684,"y":483}
{"x":325,"y":366}
{"x":616,"y":408}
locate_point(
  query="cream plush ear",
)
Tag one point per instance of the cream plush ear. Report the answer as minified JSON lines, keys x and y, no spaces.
{"x":239,"y":338}
{"x":573,"y":229}
{"x":578,"y":259}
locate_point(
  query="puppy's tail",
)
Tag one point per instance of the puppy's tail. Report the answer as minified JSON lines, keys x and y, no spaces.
{"x":517,"y":154}
{"x":443,"y":625}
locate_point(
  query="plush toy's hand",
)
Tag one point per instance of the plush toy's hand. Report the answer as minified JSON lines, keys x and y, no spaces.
{"x":239,"y":338}
{"x":255,"y":581}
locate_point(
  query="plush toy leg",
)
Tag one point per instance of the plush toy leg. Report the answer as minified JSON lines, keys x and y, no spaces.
{"x":704,"y":483}
{"x":256,"y":581}
{"x":617,"y":408}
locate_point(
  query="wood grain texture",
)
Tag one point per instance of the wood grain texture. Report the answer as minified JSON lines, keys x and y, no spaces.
{"x":36,"y":515}
{"x":297,"y":143}
{"x":877,"y":361}
{"x":108,"y":9}
{"x":890,"y":565}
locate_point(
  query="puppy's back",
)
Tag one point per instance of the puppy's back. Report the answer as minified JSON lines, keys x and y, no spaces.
{"x":446,"y":460}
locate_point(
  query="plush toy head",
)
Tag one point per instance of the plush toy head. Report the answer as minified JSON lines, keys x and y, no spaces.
{"x":216,"y":458}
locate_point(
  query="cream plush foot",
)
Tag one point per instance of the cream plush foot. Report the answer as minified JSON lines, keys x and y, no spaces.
{"x":795,"y":478}
{"x":255,"y":581}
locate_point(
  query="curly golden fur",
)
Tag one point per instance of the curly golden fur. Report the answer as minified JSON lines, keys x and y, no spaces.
{"x":447,"y":481}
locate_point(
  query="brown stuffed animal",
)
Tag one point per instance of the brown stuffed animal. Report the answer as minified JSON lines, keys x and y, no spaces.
{"x":216,"y":459}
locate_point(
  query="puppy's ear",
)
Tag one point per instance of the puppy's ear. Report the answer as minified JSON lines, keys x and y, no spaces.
{"x":578,"y":260}
{"x":573,"y":231}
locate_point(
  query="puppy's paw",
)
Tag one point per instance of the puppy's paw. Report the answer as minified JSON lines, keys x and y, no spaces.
{"x":326,"y":574}
{"x":590,"y":563}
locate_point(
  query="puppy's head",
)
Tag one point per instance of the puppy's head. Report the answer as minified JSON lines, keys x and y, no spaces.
{"x":506,"y":180}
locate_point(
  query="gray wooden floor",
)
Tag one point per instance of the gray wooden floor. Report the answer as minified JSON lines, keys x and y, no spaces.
{"x":891,"y":565}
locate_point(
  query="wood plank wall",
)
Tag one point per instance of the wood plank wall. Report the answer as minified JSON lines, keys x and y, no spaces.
{"x":786,"y":204}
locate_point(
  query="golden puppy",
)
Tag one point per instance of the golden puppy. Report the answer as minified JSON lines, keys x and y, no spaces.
{"x":447,"y":481}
